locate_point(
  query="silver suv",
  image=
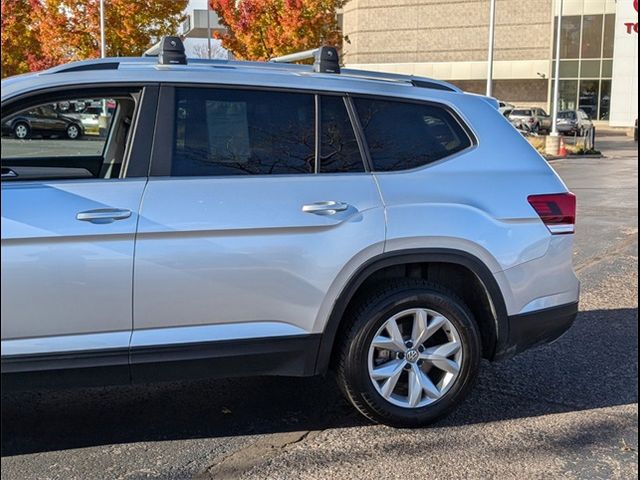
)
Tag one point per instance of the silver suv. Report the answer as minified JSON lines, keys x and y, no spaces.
{"x":534,"y":119}
{"x":275,"y":219}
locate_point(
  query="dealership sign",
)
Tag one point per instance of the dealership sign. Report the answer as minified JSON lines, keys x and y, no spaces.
{"x":632,"y":26}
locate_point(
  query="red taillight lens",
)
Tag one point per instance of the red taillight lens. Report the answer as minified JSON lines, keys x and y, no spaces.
{"x":557,"y":211}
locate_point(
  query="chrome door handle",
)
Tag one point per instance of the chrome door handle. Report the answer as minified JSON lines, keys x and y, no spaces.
{"x":103,"y":215}
{"x":8,"y":173}
{"x":325,"y":208}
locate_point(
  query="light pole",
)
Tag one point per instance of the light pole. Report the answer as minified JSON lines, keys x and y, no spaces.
{"x":556,"y":76}
{"x":208,"y":30}
{"x":492,"y":36}
{"x":103,"y":42}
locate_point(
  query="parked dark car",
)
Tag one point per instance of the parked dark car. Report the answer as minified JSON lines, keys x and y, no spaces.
{"x":574,"y":122}
{"x":44,"y":121}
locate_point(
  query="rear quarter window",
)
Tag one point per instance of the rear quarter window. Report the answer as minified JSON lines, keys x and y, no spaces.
{"x":403,"y":135}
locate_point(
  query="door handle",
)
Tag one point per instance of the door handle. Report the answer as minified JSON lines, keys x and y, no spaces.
{"x":103,"y":215}
{"x":325,"y":208}
{"x":8,"y":173}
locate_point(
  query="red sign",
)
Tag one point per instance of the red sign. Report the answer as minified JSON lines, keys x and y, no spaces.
{"x":632,"y":27}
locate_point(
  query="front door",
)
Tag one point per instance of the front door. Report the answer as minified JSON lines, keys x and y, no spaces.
{"x":69,"y":215}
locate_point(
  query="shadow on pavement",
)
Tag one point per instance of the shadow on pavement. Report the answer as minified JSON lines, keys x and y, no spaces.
{"x":593,"y":366}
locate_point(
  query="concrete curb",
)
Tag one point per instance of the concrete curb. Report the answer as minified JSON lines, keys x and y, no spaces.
{"x":555,"y":159}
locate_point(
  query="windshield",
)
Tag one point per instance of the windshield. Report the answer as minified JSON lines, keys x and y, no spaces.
{"x":521,"y":113}
{"x":567,"y":115}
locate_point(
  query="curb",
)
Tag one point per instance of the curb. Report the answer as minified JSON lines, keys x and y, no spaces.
{"x":555,"y":159}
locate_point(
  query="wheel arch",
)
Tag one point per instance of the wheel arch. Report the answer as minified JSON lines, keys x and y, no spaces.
{"x":439,"y":256}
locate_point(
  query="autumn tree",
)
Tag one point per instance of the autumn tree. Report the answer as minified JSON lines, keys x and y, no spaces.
{"x":67,"y":30}
{"x":18,"y":36}
{"x":262,"y":29}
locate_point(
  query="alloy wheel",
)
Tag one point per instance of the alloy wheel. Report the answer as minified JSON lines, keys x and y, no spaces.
{"x":415,"y":358}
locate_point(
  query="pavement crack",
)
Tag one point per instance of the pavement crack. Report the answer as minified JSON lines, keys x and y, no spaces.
{"x":240,"y":462}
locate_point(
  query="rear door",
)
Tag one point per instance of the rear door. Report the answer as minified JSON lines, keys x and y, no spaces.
{"x":258,"y":201}
{"x":69,"y":216}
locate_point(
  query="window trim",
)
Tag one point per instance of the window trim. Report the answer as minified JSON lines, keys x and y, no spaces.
{"x":164,"y":133}
{"x":355,"y":127}
{"x":137,"y":151}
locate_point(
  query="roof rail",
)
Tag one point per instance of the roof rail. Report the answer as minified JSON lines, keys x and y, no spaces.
{"x":326,"y":59}
{"x":420,"y":82}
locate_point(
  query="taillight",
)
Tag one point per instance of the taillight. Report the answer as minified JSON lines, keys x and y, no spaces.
{"x":557,"y":211}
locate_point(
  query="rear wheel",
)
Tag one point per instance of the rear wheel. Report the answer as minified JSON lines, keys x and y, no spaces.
{"x":73,"y":131}
{"x":21,"y":130}
{"x":411,"y":354}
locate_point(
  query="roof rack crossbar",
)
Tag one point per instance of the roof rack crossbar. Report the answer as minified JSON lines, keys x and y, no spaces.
{"x":296,"y":57}
{"x":326,"y":59}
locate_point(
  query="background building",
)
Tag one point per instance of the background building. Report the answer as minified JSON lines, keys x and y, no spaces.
{"x":199,"y":22}
{"x":448,"y":40}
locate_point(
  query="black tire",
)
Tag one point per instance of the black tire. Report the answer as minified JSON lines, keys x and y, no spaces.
{"x":369,"y":315}
{"x":73,"y":131}
{"x":20,"y":127}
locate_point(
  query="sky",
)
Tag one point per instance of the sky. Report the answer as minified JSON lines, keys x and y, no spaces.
{"x":195,"y":44}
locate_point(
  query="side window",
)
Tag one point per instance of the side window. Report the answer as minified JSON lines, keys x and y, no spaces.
{"x":403,"y":135}
{"x":74,"y":138}
{"x":339,"y":150}
{"x":243,"y":132}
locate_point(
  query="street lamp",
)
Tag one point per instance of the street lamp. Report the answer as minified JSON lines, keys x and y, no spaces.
{"x":556,"y":86}
{"x":492,"y":36}
{"x":208,"y":30}
{"x":103,"y":42}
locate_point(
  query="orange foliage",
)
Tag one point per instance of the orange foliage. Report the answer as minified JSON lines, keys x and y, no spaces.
{"x":67,"y":30}
{"x":262,"y":29}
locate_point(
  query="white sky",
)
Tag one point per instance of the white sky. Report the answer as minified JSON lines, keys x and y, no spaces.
{"x":192,"y":43}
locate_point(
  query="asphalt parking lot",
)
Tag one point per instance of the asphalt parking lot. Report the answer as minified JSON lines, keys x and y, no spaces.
{"x":85,"y":146}
{"x":567,"y":410}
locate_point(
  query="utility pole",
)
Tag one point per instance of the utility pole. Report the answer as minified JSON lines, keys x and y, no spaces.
{"x":556,"y":76}
{"x":103,"y":53}
{"x":103,"y":41}
{"x":492,"y":37}
{"x":209,"y":30}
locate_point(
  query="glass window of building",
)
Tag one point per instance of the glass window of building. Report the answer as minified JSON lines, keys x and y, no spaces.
{"x":609,"y":35}
{"x":586,"y":64}
{"x":592,"y":36}
{"x":570,"y":36}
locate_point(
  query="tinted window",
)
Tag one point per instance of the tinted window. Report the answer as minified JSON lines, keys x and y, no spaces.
{"x":402,"y":136}
{"x":567,"y":115}
{"x":522,"y":113}
{"x":241,"y":132}
{"x":339,"y":151}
